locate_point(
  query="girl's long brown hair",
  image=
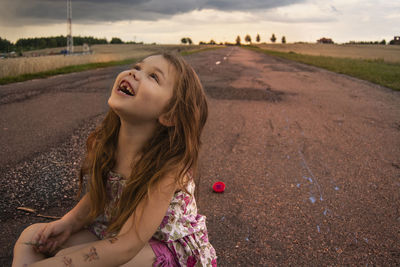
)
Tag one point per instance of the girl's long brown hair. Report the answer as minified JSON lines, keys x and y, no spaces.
{"x":171,"y":150}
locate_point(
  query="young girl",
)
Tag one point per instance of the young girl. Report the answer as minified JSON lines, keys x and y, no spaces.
{"x":139,"y":209}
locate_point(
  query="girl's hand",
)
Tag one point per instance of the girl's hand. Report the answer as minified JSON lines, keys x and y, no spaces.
{"x":51,"y":236}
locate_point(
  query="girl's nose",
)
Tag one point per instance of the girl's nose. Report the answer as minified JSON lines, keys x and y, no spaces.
{"x":134,"y":74}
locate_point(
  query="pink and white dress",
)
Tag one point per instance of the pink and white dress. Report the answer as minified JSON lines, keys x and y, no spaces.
{"x":182,"y":230}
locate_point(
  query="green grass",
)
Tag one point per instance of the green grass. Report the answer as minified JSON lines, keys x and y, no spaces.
{"x":377,"y":71}
{"x":83,"y":67}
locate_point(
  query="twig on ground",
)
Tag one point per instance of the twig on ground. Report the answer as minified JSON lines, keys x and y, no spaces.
{"x":38,"y":215}
{"x":48,"y":216}
{"x":27,"y":209}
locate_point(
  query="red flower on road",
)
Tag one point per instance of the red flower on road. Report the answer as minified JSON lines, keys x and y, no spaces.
{"x":219,"y":187}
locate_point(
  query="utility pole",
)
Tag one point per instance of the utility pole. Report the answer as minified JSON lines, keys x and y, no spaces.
{"x":70,"y":41}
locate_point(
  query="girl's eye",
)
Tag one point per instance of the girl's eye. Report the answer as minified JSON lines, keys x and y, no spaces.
{"x":136,"y":67}
{"x":154,"y":76}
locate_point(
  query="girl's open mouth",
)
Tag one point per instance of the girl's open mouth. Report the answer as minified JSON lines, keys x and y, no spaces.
{"x":126,"y":88}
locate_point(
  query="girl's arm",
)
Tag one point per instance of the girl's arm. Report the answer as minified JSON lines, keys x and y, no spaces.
{"x":77,"y":216}
{"x":134,"y":234}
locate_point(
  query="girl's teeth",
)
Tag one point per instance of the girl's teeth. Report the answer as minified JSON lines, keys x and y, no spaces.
{"x":126,"y":87}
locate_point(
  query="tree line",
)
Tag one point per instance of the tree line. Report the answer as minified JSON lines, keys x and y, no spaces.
{"x":26,"y":44}
{"x":247,"y":39}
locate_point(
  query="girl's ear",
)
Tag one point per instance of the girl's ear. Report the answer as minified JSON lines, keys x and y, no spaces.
{"x":168,"y":122}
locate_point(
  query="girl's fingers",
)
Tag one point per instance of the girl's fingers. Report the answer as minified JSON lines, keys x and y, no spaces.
{"x":49,"y":237}
{"x":36,"y":248}
{"x":49,"y":245}
{"x":45,"y":235}
{"x":54,"y":246}
{"x":37,"y":236}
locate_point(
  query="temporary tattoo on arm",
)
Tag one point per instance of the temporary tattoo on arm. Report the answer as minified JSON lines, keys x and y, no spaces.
{"x":113,"y":240}
{"x":92,"y":255}
{"x":67,"y":262}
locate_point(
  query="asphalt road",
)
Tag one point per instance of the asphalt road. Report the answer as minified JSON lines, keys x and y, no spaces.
{"x":39,"y":114}
{"x":310,"y":159}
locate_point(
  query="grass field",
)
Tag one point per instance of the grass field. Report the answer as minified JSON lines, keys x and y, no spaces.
{"x":387,"y":53}
{"x":376,"y":70}
{"x":17,"y":69}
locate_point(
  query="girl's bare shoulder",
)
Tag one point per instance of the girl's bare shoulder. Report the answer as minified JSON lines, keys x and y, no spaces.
{"x":187,"y":178}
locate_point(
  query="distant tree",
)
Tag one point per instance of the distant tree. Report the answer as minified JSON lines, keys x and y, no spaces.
{"x":186,"y":40}
{"x":116,"y":40}
{"x":247,"y":38}
{"x":202,"y":43}
{"x":52,"y":43}
{"x":283,"y":40}
{"x":42,"y":43}
{"x":238,"y":40}
{"x":5,"y":46}
{"x":258,"y":39}
{"x":273,"y":38}
{"x":78,"y":40}
{"x":212,"y":42}
{"x":383,"y":42}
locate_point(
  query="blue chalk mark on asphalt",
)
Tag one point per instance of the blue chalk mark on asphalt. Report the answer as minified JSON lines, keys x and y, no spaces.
{"x":319,"y":229}
{"x":308,"y":178}
{"x":337,"y":188}
{"x":304,"y":163}
{"x":366,"y":239}
{"x":325,"y":212}
{"x":312,"y":199}
{"x":298,"y":185}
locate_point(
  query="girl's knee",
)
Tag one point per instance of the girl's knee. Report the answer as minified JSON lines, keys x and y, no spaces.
{"x":29,"y":231}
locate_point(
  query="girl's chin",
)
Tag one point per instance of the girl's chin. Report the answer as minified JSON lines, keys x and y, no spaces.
{"x":115,"y":106}
{"x":110,"y":102}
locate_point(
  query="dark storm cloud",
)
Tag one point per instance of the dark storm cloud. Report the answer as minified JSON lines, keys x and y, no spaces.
{"x":22,"y":12}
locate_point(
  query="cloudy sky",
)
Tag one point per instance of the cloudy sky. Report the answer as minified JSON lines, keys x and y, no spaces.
{"x":167,"y":21}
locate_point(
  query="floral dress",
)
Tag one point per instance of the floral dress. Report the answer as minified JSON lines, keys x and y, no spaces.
{"x":182,"y":229}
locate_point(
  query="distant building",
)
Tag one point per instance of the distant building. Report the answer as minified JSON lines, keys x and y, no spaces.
{"x":325,"y":41}
{"x":396,"y":40}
